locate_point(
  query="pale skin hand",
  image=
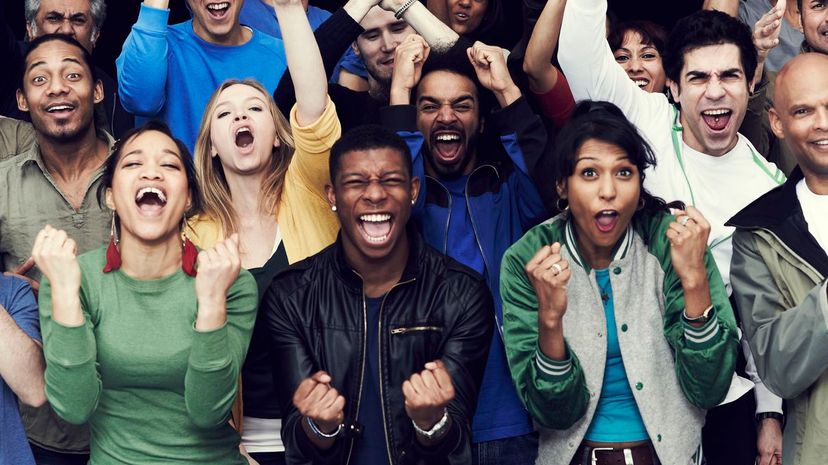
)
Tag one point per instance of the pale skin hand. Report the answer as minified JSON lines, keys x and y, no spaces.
{"x":427,"y":394}
{"x":408,"y":66}
{"x":357,"y":9}
{"x":490,"y":66}
{"x":316,"y":399}
{"x":766,"y":35}
{"x":54,"y":254}
{"x":550,"y":290}
{"x":537,"y":63}
{"x":218,"y":269}
{"x":20,"y":272}
{"x":769,"y":443}
{"x":160,"y":4}
{"x":688,"y":246}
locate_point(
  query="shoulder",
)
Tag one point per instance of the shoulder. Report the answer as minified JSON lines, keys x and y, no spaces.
{"x":297,"y":277}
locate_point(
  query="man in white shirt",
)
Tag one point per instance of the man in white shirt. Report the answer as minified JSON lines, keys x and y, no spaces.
{"x":780,"y":263}
{"x":702,"y":160}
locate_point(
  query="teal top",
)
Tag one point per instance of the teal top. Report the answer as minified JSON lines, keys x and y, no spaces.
{"x":153,"y":389}
{"x":616,"y":418}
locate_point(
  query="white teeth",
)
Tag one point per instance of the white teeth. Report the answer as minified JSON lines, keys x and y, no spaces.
{"x":821,"y":142}
{"x":715,"y":112}
{"x":59,"y":108}
{"x":641,"y":82}
{"x":150,"y":190}
{"x":375,"y":218}
{"x":462,"y":15}
{"x":218,"y":6}
{"x":241,"y":130}
{"x":377,"y":239}
{"x":448,"y":137}
{"x":607,"y":212}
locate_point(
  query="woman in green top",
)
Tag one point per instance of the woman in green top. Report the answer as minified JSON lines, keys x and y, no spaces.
{"x":617,"y":326}
{"x":138,"y":342}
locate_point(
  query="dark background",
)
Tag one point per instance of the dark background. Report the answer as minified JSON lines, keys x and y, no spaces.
{"x":121,"y":15}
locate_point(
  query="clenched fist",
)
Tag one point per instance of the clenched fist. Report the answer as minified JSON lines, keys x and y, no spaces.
{"x":317,"y":400}
{"x":427,"y":394}
{"x":549,"y":273}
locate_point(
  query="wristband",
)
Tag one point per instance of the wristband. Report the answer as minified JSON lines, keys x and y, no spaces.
{"x":775,"y":415}
{"x":399,"y":13}
{"x":319,"y":432}
{"x":435,"y":430}
{"x":703,"y":318}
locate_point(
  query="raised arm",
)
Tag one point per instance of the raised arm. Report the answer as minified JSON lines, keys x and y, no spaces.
{"x":429,"y":25}
{"x":21,"y":360}
{"x":73,"y":383}
{"x":304,"y":61}
{"x":590,"y":68}
{"x":537,"y":63}
{"x":142,"y":64}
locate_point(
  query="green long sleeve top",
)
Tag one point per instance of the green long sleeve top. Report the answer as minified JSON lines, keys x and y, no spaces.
{"x":153,"y":389}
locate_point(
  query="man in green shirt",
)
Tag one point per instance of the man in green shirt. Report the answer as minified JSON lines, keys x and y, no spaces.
{"x":54,"y":182}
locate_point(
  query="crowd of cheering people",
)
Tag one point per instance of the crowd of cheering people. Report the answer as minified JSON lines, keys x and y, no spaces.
{"x":391,"y":235}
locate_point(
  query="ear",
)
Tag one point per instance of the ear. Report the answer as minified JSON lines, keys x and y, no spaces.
{"x":276,"y":141}
{"x":94,"y":38}
{"x":110,"y":204}
{"x":561,"y":189}
{"x":329,"y":192}
{"x":29,"y":35}
{"x":674,"y":90}
{"x":775,"y":123}
{"x":355,"y":49}
{"x":22,"y":104}
{"x":415,"y":189}
{"x":98,"y":92}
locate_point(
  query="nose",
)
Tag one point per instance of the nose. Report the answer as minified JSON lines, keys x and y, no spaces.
{"x":714,"y":89}
{"x":821,"y":119}
{"x":634,"y":65}
{"x":446,"y":114}
{"x":240,"y":115}
{"x":464,"y":3}
{"x":151,"y":171}
{"x":606,"y":188}
{"x":389,"y":42}
{"x":57,"y":86}
{"x":66,"y":28}
{"x":374,"y":192}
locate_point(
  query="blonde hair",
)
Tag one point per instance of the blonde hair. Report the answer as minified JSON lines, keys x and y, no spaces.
{"x":217,"y":200}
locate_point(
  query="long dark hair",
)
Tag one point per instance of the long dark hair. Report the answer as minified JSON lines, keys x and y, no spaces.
{"x":605,"y":122}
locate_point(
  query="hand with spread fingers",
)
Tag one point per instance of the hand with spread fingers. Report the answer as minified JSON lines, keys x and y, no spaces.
{"x":490,"y":66}
{"x":427,"y":394}
{"x":688,"y":236}
{"x":767,"y":29}
{"x":319,"y":402}
{"x":218,"y":269}
{"x":549,"y":273}
{"x":408,"y":67}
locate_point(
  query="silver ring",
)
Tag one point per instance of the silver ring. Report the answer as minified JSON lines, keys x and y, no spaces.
{"x":557,"y":269}
{"x":683,"y":220}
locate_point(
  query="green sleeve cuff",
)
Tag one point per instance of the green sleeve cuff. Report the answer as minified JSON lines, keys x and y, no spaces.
{"x":70,"y":346}
{"x":210,"y":349}
{"x":553,"y":370}
{"x":703,"y":337}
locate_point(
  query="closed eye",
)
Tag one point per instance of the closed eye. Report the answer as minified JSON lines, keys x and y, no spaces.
{"x":222,"y":114}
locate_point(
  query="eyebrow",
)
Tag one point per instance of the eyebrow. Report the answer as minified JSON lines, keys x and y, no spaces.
{"x":584,"y":158}
{"x":459,"y":99}
{"x":43,"y":62}
{"x":141,"y":152}
{"x":705,"y":74}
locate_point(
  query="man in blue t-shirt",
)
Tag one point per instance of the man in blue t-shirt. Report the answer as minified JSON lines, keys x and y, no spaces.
{"x":170,"y":72}
{"x":477,"y":197}
{"x":21,"y":367}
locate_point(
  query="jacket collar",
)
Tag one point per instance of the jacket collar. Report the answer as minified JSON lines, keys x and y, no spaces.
{"x":354,"y":280}
{"x":779,"y":212}
{"x":619,"y":249}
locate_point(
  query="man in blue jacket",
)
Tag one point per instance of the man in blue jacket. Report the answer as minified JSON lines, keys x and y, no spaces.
{"x":476,"y":197}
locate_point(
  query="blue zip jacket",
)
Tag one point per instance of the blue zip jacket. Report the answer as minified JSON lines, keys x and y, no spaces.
{"x":503,"y":204}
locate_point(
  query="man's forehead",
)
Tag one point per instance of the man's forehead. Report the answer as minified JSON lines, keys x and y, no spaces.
{"x":54,"y":52}
{"x":64,"y":7}
{"x":446,"y":85}
{"x":803,"y":79}
{"x":713,"y":58}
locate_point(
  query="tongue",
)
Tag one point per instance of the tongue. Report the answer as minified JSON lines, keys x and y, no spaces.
{"x":606,"y":222}
{"x":244,"y":139}
{"x":377,"y":229}
{"x":717,"y":123}
{"x":448,"y":150}
{"x":150,"y":203}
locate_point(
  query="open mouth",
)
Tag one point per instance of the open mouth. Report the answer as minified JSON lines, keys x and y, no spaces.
{"x":150,"y":200}
{"x":218,"y":10}
{"x":60,"y":109}
{"x":376,"y":227}
{"x":244,"y":138}
{"x":717,"y":119}
{"x":461,"y":17}
{"x":822,"y":144}
{"x":641,"y":83}
{"x":448,"y":146}
{"x":606,"y":220}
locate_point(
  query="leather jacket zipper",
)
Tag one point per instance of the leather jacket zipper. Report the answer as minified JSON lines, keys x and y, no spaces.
{"x":412,"y":329}
{"x":362,"y":367}
{"x":379,"y":359}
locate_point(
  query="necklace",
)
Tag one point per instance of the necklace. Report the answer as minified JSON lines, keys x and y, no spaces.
{"x":605,"y":291}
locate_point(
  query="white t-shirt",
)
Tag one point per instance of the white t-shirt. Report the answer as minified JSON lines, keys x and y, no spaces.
{"x":718,"y":186}
{"x":815,"y":210}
